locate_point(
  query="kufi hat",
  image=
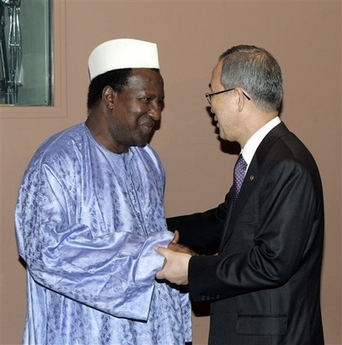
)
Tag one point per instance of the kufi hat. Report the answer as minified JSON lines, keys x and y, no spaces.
{"x":122,"y":53}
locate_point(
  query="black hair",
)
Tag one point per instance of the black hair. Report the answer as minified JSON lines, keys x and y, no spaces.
{"x":116,"y":79}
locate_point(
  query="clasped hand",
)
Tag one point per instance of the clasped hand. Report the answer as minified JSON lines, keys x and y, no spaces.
{"x":176,"y":262}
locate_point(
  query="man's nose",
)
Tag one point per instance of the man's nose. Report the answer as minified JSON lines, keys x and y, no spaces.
{"x":155,"y":111}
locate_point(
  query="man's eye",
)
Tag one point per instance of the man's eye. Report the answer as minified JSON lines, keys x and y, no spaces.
{"x":145,"y":99}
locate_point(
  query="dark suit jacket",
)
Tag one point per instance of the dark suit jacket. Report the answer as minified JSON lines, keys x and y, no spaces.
{"x":264,"y":284}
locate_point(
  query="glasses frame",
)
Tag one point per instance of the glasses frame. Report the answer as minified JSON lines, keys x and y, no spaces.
{"x":209,"y":95}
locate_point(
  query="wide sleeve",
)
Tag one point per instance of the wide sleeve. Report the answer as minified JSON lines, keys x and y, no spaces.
{"x":111,"y":271}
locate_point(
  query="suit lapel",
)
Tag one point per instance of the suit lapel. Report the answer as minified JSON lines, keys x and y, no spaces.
{"x":251,"y":178}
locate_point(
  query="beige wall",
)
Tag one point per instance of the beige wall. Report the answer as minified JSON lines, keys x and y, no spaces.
{"x":305,"y":37}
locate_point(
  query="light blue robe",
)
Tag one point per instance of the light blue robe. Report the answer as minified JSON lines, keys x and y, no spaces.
{"x":87,"y":221}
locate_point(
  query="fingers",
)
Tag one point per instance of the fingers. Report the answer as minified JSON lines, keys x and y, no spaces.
{"x":161,"y":250}
{"x":175,"y":268}
{"x":181,"y":249}
{"x":176,"y":237}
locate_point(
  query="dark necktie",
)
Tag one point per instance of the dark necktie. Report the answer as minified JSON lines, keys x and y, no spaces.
{"x":239,"y":175}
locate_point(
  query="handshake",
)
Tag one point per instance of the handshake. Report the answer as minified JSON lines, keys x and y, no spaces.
{"x":176,"y":264}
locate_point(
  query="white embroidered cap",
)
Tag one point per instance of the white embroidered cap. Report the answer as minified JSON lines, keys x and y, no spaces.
{"x":122,"y":53}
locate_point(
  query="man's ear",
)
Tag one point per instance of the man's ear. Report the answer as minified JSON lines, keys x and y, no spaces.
{"x":108,"y":96}
{"x":241,"y":98}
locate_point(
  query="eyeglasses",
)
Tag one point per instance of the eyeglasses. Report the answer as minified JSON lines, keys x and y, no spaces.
{"x":209,"y":95}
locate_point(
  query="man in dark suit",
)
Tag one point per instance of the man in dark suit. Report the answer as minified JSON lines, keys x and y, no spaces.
{"x":264,"y":281}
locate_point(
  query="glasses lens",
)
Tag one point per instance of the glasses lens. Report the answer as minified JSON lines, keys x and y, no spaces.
{"x":207,"y":96}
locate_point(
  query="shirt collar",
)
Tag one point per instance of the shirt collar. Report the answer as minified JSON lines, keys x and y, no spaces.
{"x":254,"y":141}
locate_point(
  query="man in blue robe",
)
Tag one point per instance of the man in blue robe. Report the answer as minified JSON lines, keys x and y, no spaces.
{"x":90,"y":212}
